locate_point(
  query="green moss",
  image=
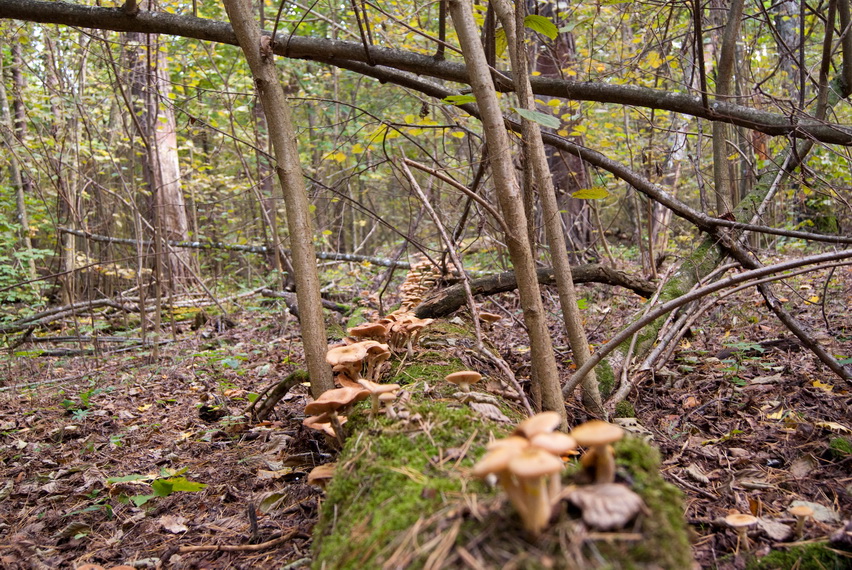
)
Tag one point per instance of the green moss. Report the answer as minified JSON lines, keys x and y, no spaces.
{"x":606,"y":378}
{"x":625,"y":409}
{"x":387,"y":481}
{"x":666,"y":543}
{"x":807,"y":557}
{"x":840,"y":447}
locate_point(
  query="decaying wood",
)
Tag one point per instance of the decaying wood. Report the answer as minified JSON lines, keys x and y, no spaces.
{"x":277,"y":392}
{"x":451,"y":298}
{"x":292,"y":304}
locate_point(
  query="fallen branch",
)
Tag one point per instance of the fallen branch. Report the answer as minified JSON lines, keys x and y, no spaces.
{"x":290,"y":300}
{"x":448,"y":300}
{"x":335,"y":256}
{"x":661,"y":310}
{"x":279,"y":390}
{"x":231,"y":547}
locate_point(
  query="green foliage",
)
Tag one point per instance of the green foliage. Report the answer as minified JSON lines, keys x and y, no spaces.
{"x":170,"y":481}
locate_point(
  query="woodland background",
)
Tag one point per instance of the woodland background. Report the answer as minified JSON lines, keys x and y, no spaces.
{"x":142,"y":214}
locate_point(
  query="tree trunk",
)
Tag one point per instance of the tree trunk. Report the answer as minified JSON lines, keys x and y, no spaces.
{"x":258,"y":52}
{"x":151,"y":87}
{"x":536,"y":161}
{"x":545,"y":376}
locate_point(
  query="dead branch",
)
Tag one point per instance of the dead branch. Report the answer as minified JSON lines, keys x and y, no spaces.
{"x":451,"y":298}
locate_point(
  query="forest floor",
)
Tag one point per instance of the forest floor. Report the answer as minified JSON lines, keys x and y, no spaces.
{"x":130,"y":457}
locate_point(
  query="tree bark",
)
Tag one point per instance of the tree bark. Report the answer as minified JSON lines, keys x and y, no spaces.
{"x":536,"y":160}
{"x":545,"y":376}
{"x":258,"y":52}
{"x":452,"y":298}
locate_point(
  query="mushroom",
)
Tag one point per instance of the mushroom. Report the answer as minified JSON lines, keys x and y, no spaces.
{"x":598,"y":435}
{"x":376,"y":354}
{"x":801,"y":512}
{"x":349,"y":358}
{"x":373,"y":331}
{"x":336,"y":401}
{"x":464,"y":379}
{"x":740,"y":523}
{"x":321,"y":475}
{"x":488,"y":319}
{"x":322,"y":423}
{"x":377,"y":390}
{"x":607,"y":506}
{"x":544,"y":422}
{"x":533,"y":468}
{"x":387,"y":399}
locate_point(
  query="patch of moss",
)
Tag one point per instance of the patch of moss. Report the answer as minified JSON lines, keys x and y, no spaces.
{"x":625,"y":409}
{"x":666,"y":543}
{"x":840,"y":447}
{"x":606,"y":378}
{"x":389,"y":479}
{"x":807,"y":557}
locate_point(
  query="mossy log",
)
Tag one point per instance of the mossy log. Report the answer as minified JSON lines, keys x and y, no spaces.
{"x":402,"y":497}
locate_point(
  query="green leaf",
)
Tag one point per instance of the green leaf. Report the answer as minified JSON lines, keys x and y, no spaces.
{"x":541,"y":25}
{"x":593,"y":193}
{"x":459,"y":99}
{"x":537,"y":117}
{"x":140,"y":500}
{"x":181,"y":484}
{"x":127,"y":479}
{"x":162,"y":487}
{"x":500,"y":42}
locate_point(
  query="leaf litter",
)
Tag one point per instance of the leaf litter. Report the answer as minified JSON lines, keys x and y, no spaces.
{"x":742,"y":429}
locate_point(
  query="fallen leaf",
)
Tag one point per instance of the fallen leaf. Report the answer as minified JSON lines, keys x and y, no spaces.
{"x":489,"y":411}
{"x":821,"y":513}
{"x":775,"y":530}
{"x":173,"y":524}
{"x":802,"y":466}
{"x":822,"y":386}
{"x":834,"y":426}
{"x":697,"y":474}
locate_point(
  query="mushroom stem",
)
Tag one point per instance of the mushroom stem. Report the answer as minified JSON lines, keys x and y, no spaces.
{"x":742,"y":537}
{"x":338,"y":428}
{"x":604,"y":464}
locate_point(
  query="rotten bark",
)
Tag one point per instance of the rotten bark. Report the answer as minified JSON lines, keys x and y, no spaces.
{"x":452,"y":298}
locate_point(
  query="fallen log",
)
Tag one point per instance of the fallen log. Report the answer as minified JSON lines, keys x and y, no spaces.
{"x":448,"y":300}
{"x":402,"y":494}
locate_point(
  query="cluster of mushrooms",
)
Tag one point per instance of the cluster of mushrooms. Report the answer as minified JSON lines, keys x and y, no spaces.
{"x":357,"y":363}
{"x":528,"y":466}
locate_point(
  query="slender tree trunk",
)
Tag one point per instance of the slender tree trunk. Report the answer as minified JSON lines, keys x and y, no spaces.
{"x":258,"y":53}
{"x":722,"y":133}
{"x":150,"y":86}
{"x":536,"y":161}
{"x":12,"y":132}
{"x":544,"y":373}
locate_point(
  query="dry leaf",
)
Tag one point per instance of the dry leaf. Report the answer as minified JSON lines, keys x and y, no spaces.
{"x":489,"y":411}
{"x":697,"y":474}
{"x":173,"y":524}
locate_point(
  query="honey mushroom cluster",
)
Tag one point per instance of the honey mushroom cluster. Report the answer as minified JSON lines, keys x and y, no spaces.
{"x":528,"y":466}
{"x":422,"y":277}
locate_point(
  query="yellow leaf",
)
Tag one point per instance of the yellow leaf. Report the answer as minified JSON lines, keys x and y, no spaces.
{"x":144,"y":407}
{"x":834,"y":426}
{"x":339,"y":157}
{"x":457,"y":134}
{"x":357,"y":148}
{"x":777,"y":415}
{"x":822,"y":386}
{"x":813,"y":299}
{"x":562,"y":133}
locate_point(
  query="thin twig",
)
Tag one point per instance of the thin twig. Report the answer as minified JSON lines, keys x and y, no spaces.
{"x":466,"y":281}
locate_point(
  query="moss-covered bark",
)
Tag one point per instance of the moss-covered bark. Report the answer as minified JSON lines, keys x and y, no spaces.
{"x":402,"y":497}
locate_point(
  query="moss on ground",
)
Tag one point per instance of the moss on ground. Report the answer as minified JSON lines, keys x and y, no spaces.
{"x":807,"y":557}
